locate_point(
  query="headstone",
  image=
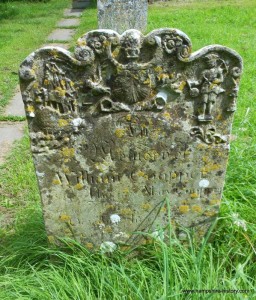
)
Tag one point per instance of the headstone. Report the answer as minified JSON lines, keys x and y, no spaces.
{"x":121,"y":15}
{"x":130,"y":133}
{"x":81,"y":3}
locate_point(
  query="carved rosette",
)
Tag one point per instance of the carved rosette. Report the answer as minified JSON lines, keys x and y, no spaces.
{"x":126,"y":123}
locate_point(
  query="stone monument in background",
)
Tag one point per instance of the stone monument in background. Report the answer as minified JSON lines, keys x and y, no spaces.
{"x":77,"y":4}
{"x":121,"y":15}
{"x":128,"y":129}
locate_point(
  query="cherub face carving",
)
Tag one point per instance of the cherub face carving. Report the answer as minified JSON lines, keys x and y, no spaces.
{"x":131,"y":43}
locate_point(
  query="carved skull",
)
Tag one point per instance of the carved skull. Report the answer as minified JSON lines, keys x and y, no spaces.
{"x":97,"y":43}
{"x":131,"y":43}
{"x":211,"y":60}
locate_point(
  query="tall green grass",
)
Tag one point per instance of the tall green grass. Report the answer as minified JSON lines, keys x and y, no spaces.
{"x":224,"y":260}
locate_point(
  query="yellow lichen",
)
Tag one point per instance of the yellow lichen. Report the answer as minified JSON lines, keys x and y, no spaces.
{"x":147,"y":81}
{"x":128,"y":117}
{"x":183,"y":209}
{"x":30,"y":108}
{"x":79,"y":186}
{"x":146,"y":206}
{"x":214,"y":202}
{"x":194,"y":195}
{"x":108,"y":229}
{"x":163,"y":209}
{"x":46,"y":82}
{"x":205,"y":159}
{"x":167,"y":115}
{"x":209,"y":213}
{"x":81,"y":43}
{"x":219,"y":117}
{"x":158,"y":69}
{"x":163,"y":76}
{"x":99,"y":179}
{"x":63,"y":122}
{"x":120,"y":132}
{"x":142,"y":174}
{"x":197,"y":208}
{"x":89,"y":245}
{"x":125,"y":248}
{"x":35,"y":85}
{"x":56,"y":181}
{"x":182,"y":85}
{"x":54,"y":53}
{"x":68,"y":152}
{"x":110,"y":206}
{"x":51,"y":239}
{"x":126,"y":212}
{"x":64,"y":218}
{"x":66,"y":170}
{"x":202,"y":146}
{"x":151,"y":155}
{"x":105,"y":180}
{"x":210,"y":167}
{"x":60,"y":91}
{"x":174,"y":175}
{"x":126,"y":191}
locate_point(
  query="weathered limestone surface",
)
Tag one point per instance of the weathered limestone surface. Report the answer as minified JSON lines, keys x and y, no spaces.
{"x":125,"y":128}
{"x":121,"y":15}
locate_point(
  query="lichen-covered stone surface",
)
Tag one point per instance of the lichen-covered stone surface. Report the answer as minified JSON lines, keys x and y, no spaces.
{"x":130,"y":134}
{"x":121,"y":15}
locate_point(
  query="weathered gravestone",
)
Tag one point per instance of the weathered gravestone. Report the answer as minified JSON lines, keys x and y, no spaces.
{"x":81,"y":3}
{"x":121,"y":15}
{"x":125,"y":128}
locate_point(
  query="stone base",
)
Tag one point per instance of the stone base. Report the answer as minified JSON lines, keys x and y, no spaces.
{"x":81,"y":3}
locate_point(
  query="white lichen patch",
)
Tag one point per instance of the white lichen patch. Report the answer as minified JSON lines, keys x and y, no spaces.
{"x":101,"y":226}
{"x":158,"y":235}
{"x":31,"y":114}
{"x":239,"y":222}
{"x":40,"y":174}
{"x":121,"y":235}
{"x":78,"y":122}
{"x":204,"y":183}
{"x":115,"y":219}
{"x":107,"y":247}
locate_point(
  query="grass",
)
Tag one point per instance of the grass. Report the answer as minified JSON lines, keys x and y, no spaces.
{"x":24,"y":28}
{"x":225,"y":260}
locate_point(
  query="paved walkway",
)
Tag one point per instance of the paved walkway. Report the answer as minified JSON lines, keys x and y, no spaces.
{"x":12,"y":131}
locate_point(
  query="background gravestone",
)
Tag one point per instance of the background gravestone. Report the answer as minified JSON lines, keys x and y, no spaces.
{"x":81,"y":3}
{"x":121,"y":15}
{"x":126,"y":128}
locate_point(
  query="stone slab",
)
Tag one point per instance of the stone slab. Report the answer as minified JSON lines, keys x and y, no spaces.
{"x":130,"y":133}
{"x":68,"y":22}
{"x":15,"y":107}
{"x":73,"y":12}
{"x":121,"y":15}
{"x":61,"y":45}
{"x":64,"y":35}
{"x":9,"y":132}
{"x":81,"y":3}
